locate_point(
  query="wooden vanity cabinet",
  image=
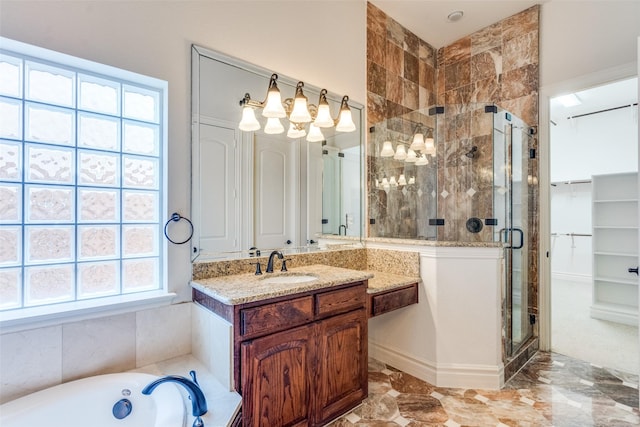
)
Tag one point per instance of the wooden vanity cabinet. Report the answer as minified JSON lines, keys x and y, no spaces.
{"x":302,"y":360}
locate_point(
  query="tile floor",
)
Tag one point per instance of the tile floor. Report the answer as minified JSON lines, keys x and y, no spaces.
{"x":551,"y":390}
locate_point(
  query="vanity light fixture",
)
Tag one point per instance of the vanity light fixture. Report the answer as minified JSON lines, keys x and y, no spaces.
{"x":417,"y":143}
{"x":422,"y":160}
{"x":401,"y":152}
{"x":315,"y":134}
{"x":402,"y":180}
{"x":393,"y":182}
{"x":297,"y":110}
{"x":412,"y":157}
{"x":387,"y":149}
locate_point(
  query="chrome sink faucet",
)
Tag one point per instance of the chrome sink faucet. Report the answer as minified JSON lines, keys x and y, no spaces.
{"x":198,"y":401}
{"x":270,"y":262}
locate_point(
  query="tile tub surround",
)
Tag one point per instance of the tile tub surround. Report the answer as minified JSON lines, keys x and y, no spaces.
{"x":551,"y":390}
{"x":35,"y":359}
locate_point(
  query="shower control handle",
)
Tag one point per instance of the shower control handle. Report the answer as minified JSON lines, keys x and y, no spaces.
{"x":633,"y":270}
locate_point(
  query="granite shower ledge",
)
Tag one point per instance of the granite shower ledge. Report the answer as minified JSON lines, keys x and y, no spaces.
{"x":247,"y":287}
{"x":435,"y":243}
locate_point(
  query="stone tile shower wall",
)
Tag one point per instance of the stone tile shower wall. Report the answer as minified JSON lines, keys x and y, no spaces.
{"x":401,"y":85}
{"x":496,"y":65}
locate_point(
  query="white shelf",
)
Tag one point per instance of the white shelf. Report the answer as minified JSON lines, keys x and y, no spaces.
{"x":615,"y":280}
{"x":617,"y":201}
{"x":619,"y":254}
{"x":615,"y":247}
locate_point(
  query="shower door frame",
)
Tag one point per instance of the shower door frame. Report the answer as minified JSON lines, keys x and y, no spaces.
{"x":511,"y":167}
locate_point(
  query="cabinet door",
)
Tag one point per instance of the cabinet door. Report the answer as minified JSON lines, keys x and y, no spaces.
{"x":342,"y":364}
{"x":277,"y":373}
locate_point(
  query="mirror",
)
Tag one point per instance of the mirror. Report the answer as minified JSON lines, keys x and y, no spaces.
{"x":258,"y":190}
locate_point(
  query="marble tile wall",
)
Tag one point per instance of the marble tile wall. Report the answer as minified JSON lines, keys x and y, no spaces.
{"x":400,"y":89}
{"x":35,"y":359}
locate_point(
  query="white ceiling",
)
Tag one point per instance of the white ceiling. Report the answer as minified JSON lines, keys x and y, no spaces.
{"x":428,"y":18}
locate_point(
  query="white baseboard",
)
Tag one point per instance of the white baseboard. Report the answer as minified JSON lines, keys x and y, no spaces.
{"x":440,"y":375}
{"x":612,"y":315}
{"x":572,"y":277}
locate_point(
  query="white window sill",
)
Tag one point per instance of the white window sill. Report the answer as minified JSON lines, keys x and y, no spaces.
{"x":39,"y":317}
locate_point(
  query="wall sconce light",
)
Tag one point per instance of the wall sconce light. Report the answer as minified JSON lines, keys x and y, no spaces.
{"x":297,"y":110}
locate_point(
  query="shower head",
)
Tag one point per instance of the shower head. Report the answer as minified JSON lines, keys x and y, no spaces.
{"x":472,"y":153}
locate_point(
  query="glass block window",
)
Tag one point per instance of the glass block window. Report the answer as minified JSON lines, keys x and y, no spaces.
{"x":82,"y":179}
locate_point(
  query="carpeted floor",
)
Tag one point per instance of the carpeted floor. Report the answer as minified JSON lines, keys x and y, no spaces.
{"x":576,"y":334}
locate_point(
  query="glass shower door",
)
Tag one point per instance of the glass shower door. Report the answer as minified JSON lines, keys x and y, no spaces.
{"x":511,"y":154}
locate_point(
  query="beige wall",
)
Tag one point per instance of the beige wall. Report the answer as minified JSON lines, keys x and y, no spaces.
{"x":320,"y":42}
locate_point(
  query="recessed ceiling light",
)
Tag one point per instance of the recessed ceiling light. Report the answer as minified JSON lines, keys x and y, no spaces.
{"x":455,"y":16}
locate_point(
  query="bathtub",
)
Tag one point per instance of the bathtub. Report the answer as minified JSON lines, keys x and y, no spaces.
{"x":90,"y":402}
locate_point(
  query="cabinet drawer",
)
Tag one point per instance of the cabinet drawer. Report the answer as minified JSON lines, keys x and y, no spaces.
{"x":276,"y":316}
{"x":393,"y":300}
{"x":341,"y":300}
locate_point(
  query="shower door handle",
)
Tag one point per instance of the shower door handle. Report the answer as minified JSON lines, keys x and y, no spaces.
{"x":633,"y":270}
{"x":521,"y":238}
{"x":511,"y":230}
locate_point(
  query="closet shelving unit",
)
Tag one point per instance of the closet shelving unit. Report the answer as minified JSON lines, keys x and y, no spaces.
{"x":615,"y":247}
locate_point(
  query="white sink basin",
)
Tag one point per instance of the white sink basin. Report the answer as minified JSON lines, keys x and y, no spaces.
{"x":301,"y":278}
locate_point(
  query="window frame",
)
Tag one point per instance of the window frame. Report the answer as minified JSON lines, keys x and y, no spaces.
{"x":54,"y":313}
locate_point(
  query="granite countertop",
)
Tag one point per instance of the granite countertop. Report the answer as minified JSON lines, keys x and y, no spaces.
{"x":244,"y":288}
{"x":382,"y":282}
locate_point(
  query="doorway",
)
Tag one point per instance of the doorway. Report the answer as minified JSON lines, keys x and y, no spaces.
{"x":594,"y":214}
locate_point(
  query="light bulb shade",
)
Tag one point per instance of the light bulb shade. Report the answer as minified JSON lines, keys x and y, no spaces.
{"x":402,"y":180}
{"x":412,"y":180}
{"x":249,"y":122}
{"x":422,"y":160}
{"x":385,"y":182}
{"x":430,"y":146}
{"x":273,"y":106}
{"x":323,"y":117}
{"x":300,"y":111}
{"x":418,"y":142}
{"x":412,"y":157}
{"x":315,"y":134}
{"x":387,"y":149}
{"x":273,"y":126}
{"x":294,"y":132}
{"x":345,"y":121}
{"x":393,"y":182}
{"x":401,"y":152}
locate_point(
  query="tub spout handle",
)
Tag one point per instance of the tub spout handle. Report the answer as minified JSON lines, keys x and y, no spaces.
{"x":198,"y":401}
{"x":198,"y":422}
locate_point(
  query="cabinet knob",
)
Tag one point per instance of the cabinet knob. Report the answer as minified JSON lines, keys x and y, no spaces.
{"x":633,"y":270}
